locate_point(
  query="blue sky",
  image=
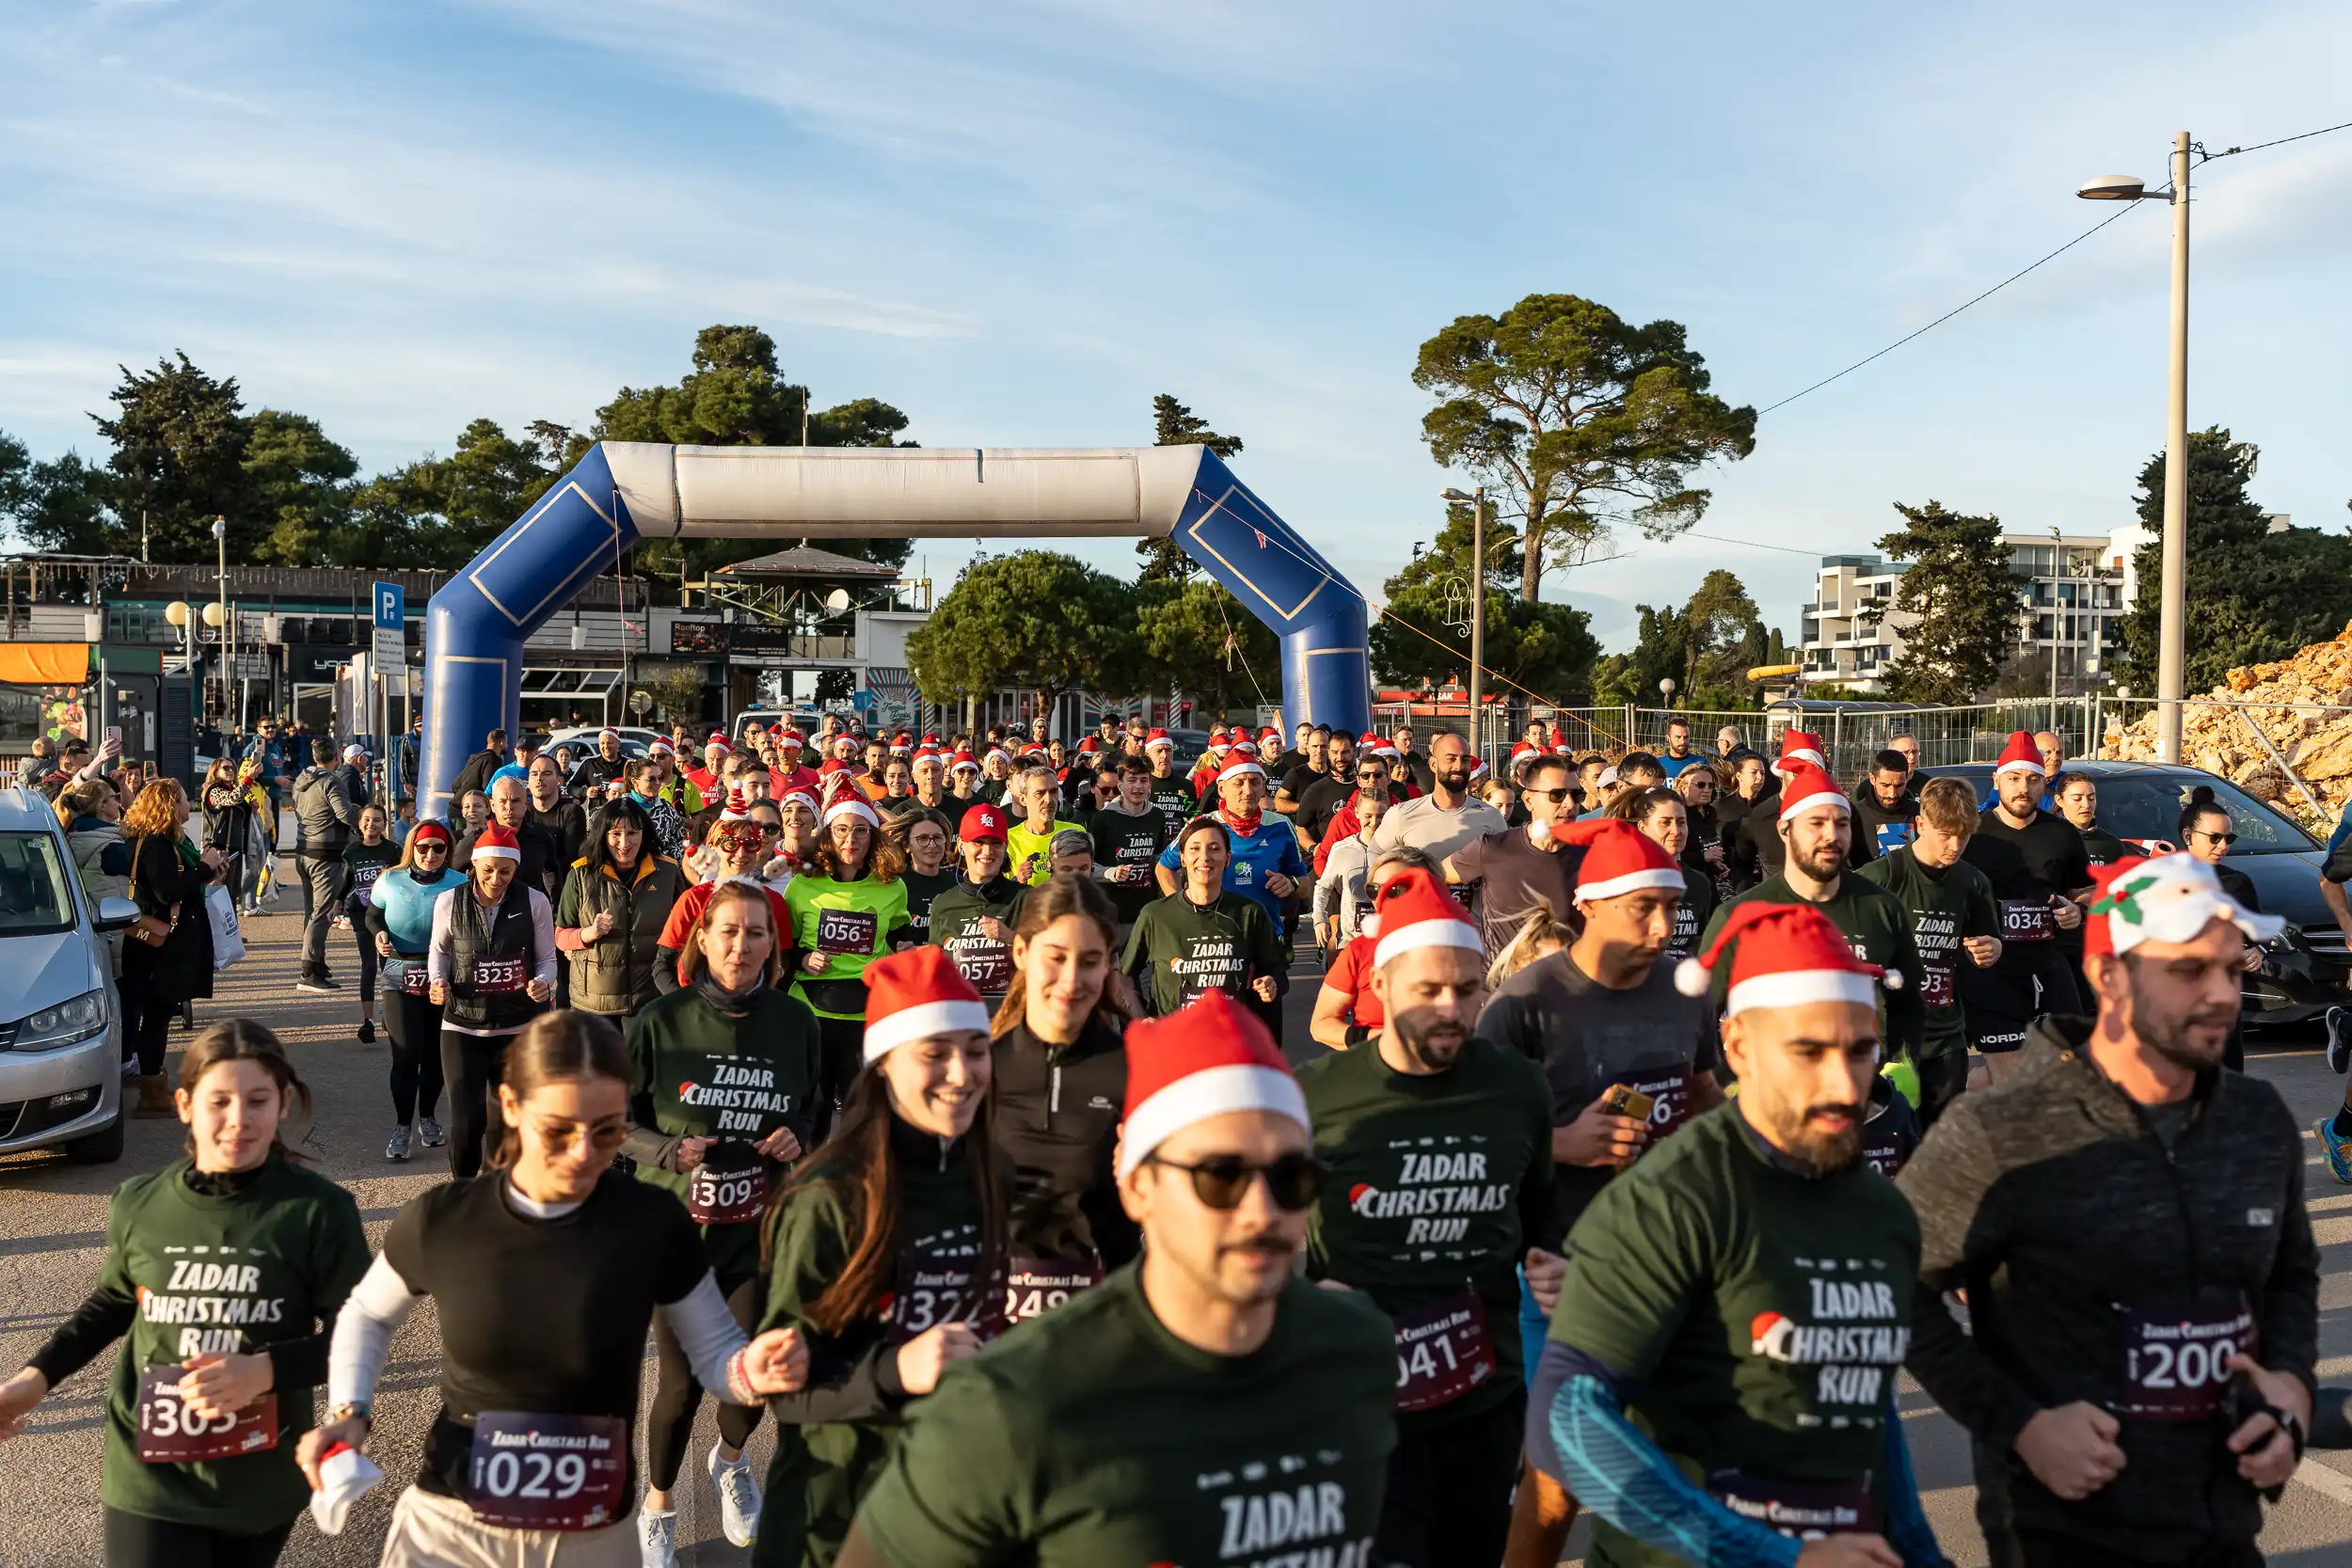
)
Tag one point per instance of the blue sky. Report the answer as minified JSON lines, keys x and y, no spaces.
{"x":1020,"y":221}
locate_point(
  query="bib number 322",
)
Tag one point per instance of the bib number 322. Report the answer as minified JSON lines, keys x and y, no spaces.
{"x":547,"y":1471}
{"x":172,"y":1433}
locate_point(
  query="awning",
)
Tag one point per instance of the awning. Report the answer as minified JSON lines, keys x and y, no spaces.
{"x":44,"y":664}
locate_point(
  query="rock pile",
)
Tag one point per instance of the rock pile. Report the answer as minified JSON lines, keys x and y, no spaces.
{"x":2303,"y":704}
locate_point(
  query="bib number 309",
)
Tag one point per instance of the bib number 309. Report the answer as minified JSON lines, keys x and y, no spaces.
{"x":172,"y":1433}
{"x":546,"y":1471}
{"x":725,"y":1196}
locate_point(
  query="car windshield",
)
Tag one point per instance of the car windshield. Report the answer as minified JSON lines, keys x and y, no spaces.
{"x":2148,"y":805}
{"x":34,"y":899}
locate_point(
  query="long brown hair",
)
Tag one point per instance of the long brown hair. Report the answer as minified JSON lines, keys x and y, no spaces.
{"x":241,"y":1039}
{"x":884,"y":860}
{"x":1065,"y":893}
{"x":694,"y":962}
{"x":559,"y":1047}
{"x":860,"y":1163}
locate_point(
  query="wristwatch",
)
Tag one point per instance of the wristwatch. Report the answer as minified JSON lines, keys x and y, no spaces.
{"x":349,"y":1408}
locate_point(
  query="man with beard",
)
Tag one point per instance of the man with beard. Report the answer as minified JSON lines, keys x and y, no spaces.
{"x":1721,"y":1374}
{"x":1815,"y":829}
{"x":1202,"y":1405}
{"x":2039,"y":869}
{"x":1322,"y":795}
{"x":2125,"y":1216}
{"x":1523,"y":868}
{"x":1885,"y":808}
{"x":1439,"y":1151}
{"x":1450,"y":815}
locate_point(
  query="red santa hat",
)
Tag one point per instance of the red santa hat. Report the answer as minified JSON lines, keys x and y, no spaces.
{"x":901,"y":743}
{"x":1800,"y":746}
{"x":1521,"y":752}
{"x":796,"y":793}
{"x":1269,"y":737}
{"x":1379,"y":747}
{"x":718,"y":741}
{"x":852,"y":804}
{"x":916,"y":993}
{"x":995,"y":751}
{"x":1619,"y":858}
{"x":739,"y":807}
{"x":1090,"y":746}
{"x":1560,"y":742}
{"x":658,"y":747}
{"x":927,"y":754}
{"x":982,"y":822}
{"x":608,"y":733}
{"x":962,"y":761}
{"x":1209,"y":1058}
{"x":1242,"y":759}
{"x":2164,"y":898}
{"x":788,"y":736}
{"x":827,"y":768}
{"x":930,"y":741}
{"x":1158,"y":738}
{"x":1790,"y":955}
{"x":1805,"y":787}
{"x":2021,"y":755}
{"x":496,"y":842}
{"x":1414,"y":910}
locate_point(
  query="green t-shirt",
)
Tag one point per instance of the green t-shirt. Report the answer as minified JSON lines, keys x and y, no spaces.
{"x":1188,"y":949}
{"x":849,"y":921}
{"x":1027,"y":847}
{"x":956,"y":917}
{"x":1763,"y":1315}
{"x":2104,"y":849}
{"x":1440,"y":1183}
{"x":1877,"y":926}
{"x":702,"y":1074}
{"x":1093,"y":1436}
{"x":1944,"y":906}
{"x":222,"y":1275}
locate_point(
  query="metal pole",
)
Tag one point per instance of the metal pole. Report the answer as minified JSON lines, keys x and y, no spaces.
{"x":1478,"y":622}
{"x":2171,"y":651}
{"x":228,"y":631}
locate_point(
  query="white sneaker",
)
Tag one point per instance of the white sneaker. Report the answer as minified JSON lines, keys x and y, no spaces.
{"x":657,"y":1538}
{"x":739,"y":1498}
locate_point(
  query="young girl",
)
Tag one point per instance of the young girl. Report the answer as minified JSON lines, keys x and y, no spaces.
{"x":202,"y":1418}
{"x":400,"y":926}
{"x":364,"y":859}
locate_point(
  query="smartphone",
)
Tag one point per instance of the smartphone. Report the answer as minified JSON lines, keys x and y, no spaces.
{"x":1623,"y":1100}
{"x":114,"y":736}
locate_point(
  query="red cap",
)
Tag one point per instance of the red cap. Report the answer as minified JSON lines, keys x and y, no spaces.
{"x":982,"y":821}
{"x":1208,"y":1058}
{"x":914,"y":994}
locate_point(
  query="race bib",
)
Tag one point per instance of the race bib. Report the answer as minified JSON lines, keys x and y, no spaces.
{"x":415,"y":979}
{"x":2024,"y":920}
{"x":172,"y":1433}
{"x":1885,"y":1153}
{"x":363,"y":881}
{"x":2176,"y":1358}
{"x":725,"y":1196}
{"x":1442,"y":1352}
{"x":846,"y":931}
{"x":1684,"y":940}
{"x":498,"y":976}
{"x":934,"y":1288}
{"x":1800,"y":1510}
{"x":1035,"y":1286}
{"x":546,"y":1471}
{"x":1364,"y":907}
{"x":1937,"y":988}
{"x":1669,"y":1090}
{"x":983,"y":961}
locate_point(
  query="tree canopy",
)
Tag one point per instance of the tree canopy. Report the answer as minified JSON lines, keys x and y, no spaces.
{"x":1175,"y":425}
{"x":1960,"y":587}
{"x":1196,"y":637}
{"x":1582,"y":420}
{"x":1037,"y":619}
{"x":1422,"y":632}
{"x":1705,"y":645}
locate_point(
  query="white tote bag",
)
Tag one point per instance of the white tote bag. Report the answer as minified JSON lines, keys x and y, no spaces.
{"x":227,"y":942}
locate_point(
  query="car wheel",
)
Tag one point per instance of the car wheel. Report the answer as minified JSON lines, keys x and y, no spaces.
{"x":102,"y":1148}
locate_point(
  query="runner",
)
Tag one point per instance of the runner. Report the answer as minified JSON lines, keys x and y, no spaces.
{"x":364,"y":859}
{"x":930,"y":789}
{"x":1263,"y":864}
{"x":2039,"y":868}
{"x":1128,"y":834}
{"x":1347,"y":1009}
{"x":792,"y":772}
{"x":1439,"y":1146}
{"x":889,"y":1249}
{"x":1307,"y":752}
{"x":1515,"y":870}
{"x":1759,"y":848}
{"x":607,"y":765}
{"x":921,"y":837}
{"x":325,"y":816}
{"x":741,"y":835}
{"x":2127,"y":1220}
{"x":644,"y":787}
{"x":716,"y":750}
{"x":1441,"y":823}
{"x":726,"y":1073}
{"x":847,"y":909}
{"x":1678,"y":754}
{"x":973,"y":921}
{"x":1885,"y":808}
{"x":2078,"y":799}
{"x":400,"y":926}
{"x":1029,"y":840}
{"x":2206,"y":831}
{"x":1816,"y":831}
{"x":543,"y":1278}
{"x":1703,"y":855}
{"x":1754,"y":792}
{"x":1205,"y":937}
{"x":1343,"y":891}
{"x":1170,"y":792}
{"x":1662,"y":818}
{"x":614,"y":909}
{"x":1266,"y":1401}
{"x":491,"y":966}
{"x":1952,"y":913}
{"x":212,"y":1388}
{"x":1743,"y":1296}
{"x":1060,"y":1081}
{"x":563,"y":820}
{"x":1346,"y":822}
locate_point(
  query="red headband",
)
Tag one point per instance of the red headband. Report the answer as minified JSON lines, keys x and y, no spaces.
{"x":425,"y":831}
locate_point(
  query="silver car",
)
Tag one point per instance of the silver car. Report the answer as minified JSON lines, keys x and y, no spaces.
{"x":60,"y":1019}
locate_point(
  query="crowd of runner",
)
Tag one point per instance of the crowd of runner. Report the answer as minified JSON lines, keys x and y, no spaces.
{"x":931,"y":1098}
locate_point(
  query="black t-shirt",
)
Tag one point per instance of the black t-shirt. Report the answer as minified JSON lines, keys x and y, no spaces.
{"x":1882,"y":829}
{"x":1320,"y":802}
{"x":1283,"y":764}
{"x":540,"y":1315}
{"x":1125,"y":839}
{"x":2045,"y":856}
{"x":1297,"y":778}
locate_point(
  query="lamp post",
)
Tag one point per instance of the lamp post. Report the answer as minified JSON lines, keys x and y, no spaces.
{"x":177,"y":612}
{"x":1477,"y":503}
{"x":228,"y":641}
{"x":2171,"y":658}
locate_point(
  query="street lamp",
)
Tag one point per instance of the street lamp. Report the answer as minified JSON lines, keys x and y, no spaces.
{"x":2171,"y":658}
{"x":1477,"y":503}
{"x":227,"y":642}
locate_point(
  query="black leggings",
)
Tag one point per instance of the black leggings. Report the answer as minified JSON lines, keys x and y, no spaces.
{"x":676,"y":1397}
{"x":136,"y":1540}
{"x":150,"y":1032}
{"x":471,"y":1065}
{"x":413,"y":1024}
{"x":368,"y":964}
{"x":841,"y":1052}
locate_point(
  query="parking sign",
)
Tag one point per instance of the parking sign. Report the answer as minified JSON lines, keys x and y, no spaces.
{"x":391,"y":621}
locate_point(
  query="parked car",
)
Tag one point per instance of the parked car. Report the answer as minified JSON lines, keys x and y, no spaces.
{"x":582,"y":739}
{"x":60,"y":1020}
{"x":2309,"y":969}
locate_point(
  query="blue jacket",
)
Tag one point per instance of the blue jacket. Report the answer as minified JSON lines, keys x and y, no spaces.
{"x":1274,"y":848}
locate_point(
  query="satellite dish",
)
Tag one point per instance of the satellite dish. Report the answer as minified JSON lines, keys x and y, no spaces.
{"x":838,"y":600}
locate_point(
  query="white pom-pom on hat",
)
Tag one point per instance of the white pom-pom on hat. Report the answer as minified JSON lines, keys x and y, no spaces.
{"x":1692,"y":977}
{"x":1892,"y":979}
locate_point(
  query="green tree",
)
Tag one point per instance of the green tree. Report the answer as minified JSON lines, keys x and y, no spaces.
{"x":1423,"y":631}
{"x":1705,"y":645}
{"x":1175,"y":425}
{"x":1960,"y":588}
{"x":1196,"y":638}
{"x":2253,"y":596}
{"x":179,"y":439}
{"x":1035,"y":619}
{"x":62,"y":505}
{"x":438,"y":513}
{"x":1583,"y":421}
{"x":300,"y":484}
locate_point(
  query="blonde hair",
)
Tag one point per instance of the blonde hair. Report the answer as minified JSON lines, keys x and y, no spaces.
{"x":1949,"y":806}
{"x":1539,"y":935}
{"x":693,"y":961}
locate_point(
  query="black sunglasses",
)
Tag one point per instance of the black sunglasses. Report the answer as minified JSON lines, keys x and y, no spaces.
{"x":1371,"y":775}
{"x":1554,"y":796}
{"x":1222,"y":1181}
{"x":2217,"y":838}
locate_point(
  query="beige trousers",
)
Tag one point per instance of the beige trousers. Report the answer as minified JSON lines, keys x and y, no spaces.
{"x":433,"y":1531}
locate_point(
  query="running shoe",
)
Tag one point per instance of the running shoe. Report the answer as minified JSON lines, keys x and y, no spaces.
{"x":396,"y":1148}
{"x":739,"y":1496}
{"x":429,"y":1132}
{"x":657,"y":1538}
{"x":2339,"y":1041}
{"x":2337,"y":1147}
{"x":366,"y":1031}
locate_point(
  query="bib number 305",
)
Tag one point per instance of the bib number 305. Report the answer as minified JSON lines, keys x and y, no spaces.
{"x":546,"y":1471}
{"x":172,"y":1433}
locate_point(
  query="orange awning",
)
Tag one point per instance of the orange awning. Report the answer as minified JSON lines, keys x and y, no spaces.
{"x":44,"y":664}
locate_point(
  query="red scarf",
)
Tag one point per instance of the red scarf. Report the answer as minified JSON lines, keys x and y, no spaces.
{"x":1243,"y":827}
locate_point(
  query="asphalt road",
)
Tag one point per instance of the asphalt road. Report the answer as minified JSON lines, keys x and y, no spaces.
{"x":52,"y":1225}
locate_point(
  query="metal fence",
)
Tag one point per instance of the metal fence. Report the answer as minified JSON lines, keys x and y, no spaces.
{"x":1852,"y":733}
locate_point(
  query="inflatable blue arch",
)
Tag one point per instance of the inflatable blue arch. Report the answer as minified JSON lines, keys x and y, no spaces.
{"x":625,"y":491}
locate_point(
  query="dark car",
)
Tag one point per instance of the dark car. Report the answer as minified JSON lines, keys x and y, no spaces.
{"x":2308,"y":969}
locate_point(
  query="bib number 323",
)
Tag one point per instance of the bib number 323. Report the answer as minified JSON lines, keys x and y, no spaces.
{"x":1442,"y":1352}
{"x":172,"y":1433}
{"x":547,"y":1471}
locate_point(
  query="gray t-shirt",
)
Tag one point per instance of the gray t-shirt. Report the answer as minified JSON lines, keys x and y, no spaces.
{"x":1589,"y":1037}
{"x":1423,"y":824}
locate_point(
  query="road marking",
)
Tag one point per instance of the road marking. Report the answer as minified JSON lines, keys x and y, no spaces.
{"x":2320,"y":1478}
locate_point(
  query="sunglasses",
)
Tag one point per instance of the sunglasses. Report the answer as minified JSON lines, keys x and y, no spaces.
{"x":2217,"y":838}
{"x":1554,"y":796}
{"x":1371,"y":775}
{"x":1222,"y":1181}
